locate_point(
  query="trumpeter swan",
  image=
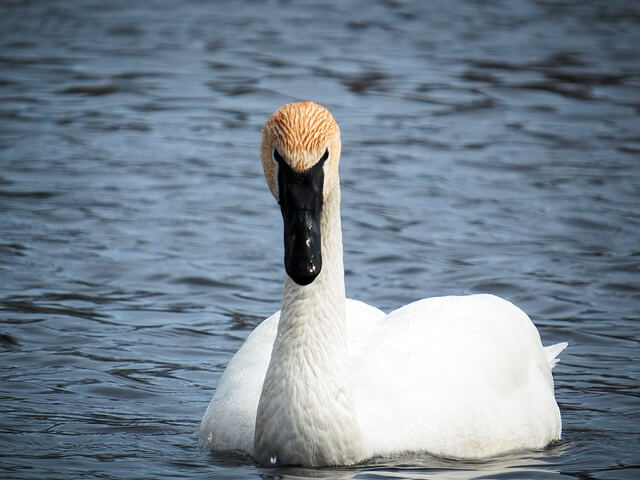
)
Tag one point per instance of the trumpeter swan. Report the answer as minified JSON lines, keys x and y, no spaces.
{"x":333,"y":381}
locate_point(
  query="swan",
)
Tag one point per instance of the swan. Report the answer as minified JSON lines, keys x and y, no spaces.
{"x":329,"y":380}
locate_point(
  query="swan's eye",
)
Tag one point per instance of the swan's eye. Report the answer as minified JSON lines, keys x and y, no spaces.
{"x":325,"y":155}
{"x":277,"y":157}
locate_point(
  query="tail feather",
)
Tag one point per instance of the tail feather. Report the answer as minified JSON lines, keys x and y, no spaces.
{"x":553,"y":351}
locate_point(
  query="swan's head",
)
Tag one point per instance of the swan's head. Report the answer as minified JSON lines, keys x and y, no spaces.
{"x":300,"y":154}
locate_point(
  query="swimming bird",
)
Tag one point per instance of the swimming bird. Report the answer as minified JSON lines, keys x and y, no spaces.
{"x":329,"y":380}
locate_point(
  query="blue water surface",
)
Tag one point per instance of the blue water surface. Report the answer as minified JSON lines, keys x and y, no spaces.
{"x":487,"y":147}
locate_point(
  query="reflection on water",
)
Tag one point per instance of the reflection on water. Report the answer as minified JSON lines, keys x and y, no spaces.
{"x":488,"y":147}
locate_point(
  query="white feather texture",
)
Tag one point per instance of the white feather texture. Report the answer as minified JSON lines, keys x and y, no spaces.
{"x":333,"y":381}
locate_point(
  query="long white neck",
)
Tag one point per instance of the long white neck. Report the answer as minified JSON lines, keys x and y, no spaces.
{"x":318,"y":309}
{"x":306,"y":413}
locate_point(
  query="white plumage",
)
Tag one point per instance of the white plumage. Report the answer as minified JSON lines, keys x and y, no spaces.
{"x":333,"y":381}
{"x":471,"y":382}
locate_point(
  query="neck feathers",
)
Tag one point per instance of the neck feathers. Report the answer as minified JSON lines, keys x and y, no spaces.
{"x":306,"y":413}
{"x":319,"y":306}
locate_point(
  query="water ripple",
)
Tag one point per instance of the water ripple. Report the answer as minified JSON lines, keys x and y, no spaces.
{"x":485,"y":149}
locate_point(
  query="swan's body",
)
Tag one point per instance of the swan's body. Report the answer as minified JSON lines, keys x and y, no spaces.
{"x":333,"y":381}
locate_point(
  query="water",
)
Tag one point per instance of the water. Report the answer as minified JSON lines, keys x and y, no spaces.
{"x":488,"y":147}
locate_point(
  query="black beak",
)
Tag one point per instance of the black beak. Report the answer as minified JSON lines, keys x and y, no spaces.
{"x":301,"y":206}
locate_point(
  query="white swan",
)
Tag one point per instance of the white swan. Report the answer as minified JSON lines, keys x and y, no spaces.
{"x":333,"y":381}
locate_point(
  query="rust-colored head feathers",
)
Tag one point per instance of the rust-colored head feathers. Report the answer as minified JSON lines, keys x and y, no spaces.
{"x":301,"y":132}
